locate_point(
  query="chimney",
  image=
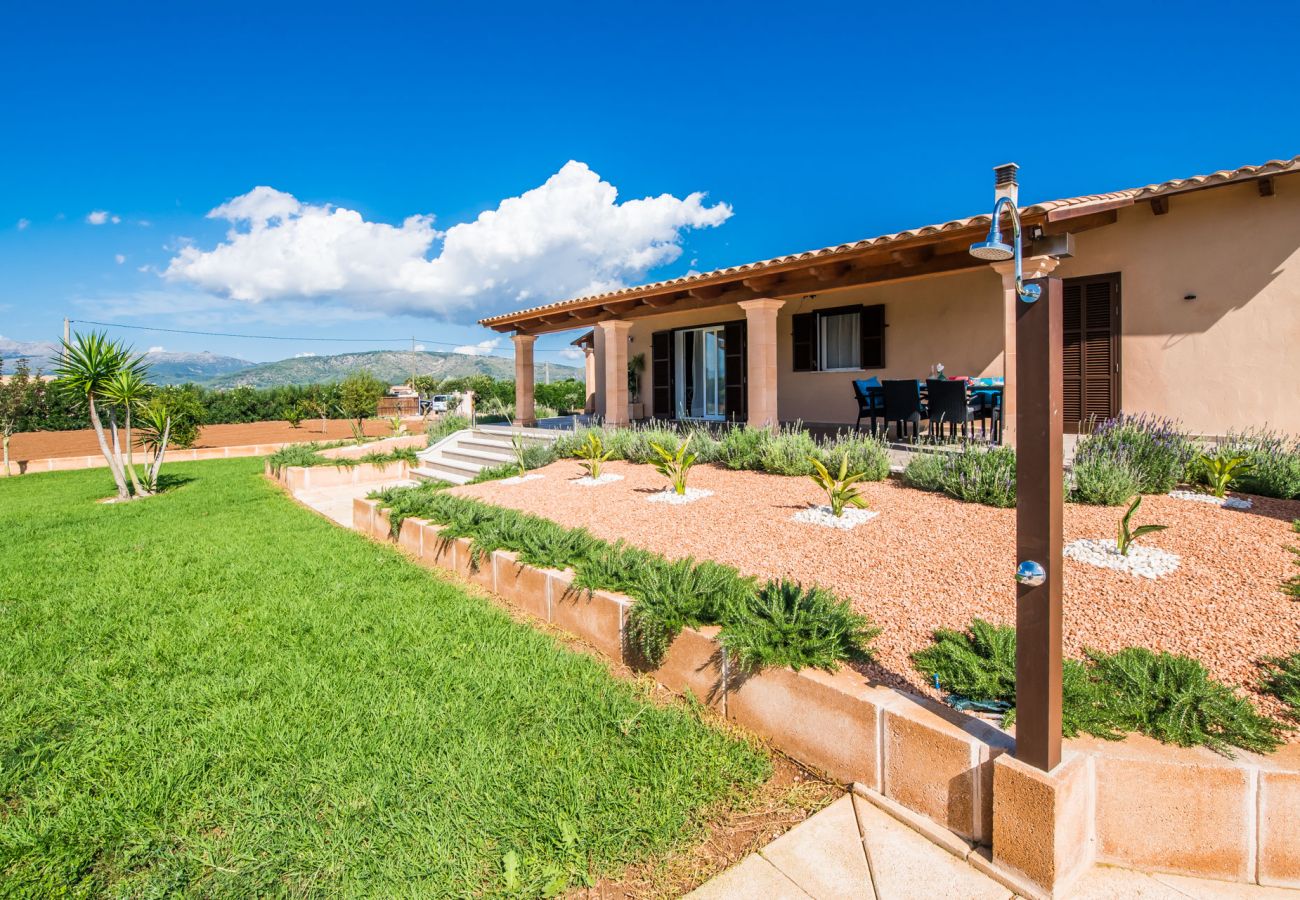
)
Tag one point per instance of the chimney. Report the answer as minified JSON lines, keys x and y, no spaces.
{"x":1005,"y":184}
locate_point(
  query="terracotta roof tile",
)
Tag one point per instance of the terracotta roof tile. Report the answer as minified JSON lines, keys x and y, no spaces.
{"x":1195,"y":182}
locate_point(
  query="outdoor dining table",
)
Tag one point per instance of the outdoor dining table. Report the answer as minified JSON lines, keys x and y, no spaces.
{"x":987,"y":394}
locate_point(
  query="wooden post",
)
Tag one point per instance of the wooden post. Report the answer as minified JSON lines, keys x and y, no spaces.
{"x":1039,"y":508}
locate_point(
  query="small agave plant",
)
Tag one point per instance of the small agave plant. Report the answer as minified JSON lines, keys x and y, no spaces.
{"x":675,"y":466}
{"x":593,"y":454}
{"x":842,"y":489}
{"x":521,"y":454}
{"x":1220,"y":470}
{"x":1125,"y":537}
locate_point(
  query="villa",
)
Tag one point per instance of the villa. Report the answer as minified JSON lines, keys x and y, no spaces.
{"x":1181,"y":299}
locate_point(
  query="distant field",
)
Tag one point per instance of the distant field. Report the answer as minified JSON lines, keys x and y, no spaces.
{"x":215,"y":693}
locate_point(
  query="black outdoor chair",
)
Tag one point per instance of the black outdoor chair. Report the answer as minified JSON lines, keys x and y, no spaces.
{"x":871,"y":405}
{"x":948,"y":406}
{"x":988,"y":409}
{"x":903,"y":406}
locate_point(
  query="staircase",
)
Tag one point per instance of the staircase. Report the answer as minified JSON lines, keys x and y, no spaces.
{"x":459,"y":457}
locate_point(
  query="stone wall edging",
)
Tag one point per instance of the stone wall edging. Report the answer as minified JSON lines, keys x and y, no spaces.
{"x":1138,"y":799}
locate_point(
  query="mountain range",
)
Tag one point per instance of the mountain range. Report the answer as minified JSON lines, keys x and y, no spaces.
{"x":223,"y":372}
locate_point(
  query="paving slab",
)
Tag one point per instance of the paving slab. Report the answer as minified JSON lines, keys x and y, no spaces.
{"x":753,"y":877}
{"x":1205,"y":889}
{"x":824,"y":855}
{"x":906,"y":865}
{"x":336,"y":502}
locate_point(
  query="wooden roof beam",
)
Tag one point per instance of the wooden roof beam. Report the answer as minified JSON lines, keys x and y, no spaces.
{"x":761,"y":284}
{"x":1266,"y":186}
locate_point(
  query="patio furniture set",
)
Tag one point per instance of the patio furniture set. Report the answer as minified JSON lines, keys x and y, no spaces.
{"x":944,"y":404}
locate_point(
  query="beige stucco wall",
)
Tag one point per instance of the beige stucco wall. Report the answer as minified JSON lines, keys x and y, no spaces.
{"x":1231,"y":357}
{"x":1226,"y":360}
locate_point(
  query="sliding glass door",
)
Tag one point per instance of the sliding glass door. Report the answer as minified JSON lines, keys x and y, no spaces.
{"x":700,"y":376}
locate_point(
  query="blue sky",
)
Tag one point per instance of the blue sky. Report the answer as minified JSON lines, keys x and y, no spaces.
{"x":815,"y":125}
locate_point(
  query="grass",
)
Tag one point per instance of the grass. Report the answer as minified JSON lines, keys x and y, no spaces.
{"x":216,"y":693}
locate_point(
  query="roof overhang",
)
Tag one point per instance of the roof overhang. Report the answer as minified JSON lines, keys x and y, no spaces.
{"x":924,"y":252}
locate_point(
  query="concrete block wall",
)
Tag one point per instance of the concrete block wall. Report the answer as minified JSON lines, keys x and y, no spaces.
{"x":1135,"y":803}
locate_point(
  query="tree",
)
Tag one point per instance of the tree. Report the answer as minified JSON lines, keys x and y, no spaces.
{"x":21,"y":397}
{"x":126,"y":390}
{"x":87,"y":366}
{"x":359,"y":395}
{"x":170,"y":414}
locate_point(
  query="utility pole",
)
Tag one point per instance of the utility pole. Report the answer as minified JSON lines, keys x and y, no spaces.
{"x":67,"y":330}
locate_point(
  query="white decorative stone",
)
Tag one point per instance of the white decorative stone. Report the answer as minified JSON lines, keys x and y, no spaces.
{"x":668,"y":495}
{"x":520,"y":479}
{"x":1225,"y":502}
{"x":588,"y":481}
{"x":1141,"y":561}
{"x":822,"y":515}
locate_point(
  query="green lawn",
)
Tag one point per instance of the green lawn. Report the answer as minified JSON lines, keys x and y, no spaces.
{"x":214,"y":692}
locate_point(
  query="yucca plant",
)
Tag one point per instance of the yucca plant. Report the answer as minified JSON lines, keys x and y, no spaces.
{"x":1220,"y":470}
{"x":675,"y":466}
{"x":593,"y":454}
{"x":1125,"y":536}
{"x":841,"y":490}
{"x":521,"y":454}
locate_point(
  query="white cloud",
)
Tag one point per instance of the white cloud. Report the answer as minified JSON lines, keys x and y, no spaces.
{"x":570,"y":236}
{"x":158,"y":349}
{"x":418,"y":347}
{"x":482,"y":348}
{"x":102,"y":217}
{"x":24,"y":224}
{"x":119,"y":258}
{"x":572,"y":353}
{"x":303,"y":355}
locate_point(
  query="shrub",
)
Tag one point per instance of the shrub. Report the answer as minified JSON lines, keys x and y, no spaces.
{"x":982,"y":475}
{"x":868,"y":454}
{"x":980,"y":664}
{"x":383,"y":457}
{"x":1274,"y":461}
{"x":445,"y":425}
{"x":1103,"y":478}
{"x":1291,"y":587}
{"x":789,"y":452}
{"x":785,"y":624}
{"x":925,"y":472}
{"x":742,"y":447}
{"x":307,"y":455}
{"x":1156,"y":451}
{"x":1282,"y":680}
{"x":707,"y":447}
{"x":672,"y":595}
{"x":1174,"y":699}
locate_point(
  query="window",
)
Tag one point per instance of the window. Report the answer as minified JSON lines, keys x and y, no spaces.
{"x":841,"y":341}
{"x":846,"y":338}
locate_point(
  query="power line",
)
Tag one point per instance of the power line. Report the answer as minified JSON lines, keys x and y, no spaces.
{"x":280,"y":337}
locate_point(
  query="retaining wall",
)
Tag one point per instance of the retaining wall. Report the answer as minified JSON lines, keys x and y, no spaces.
{"x":1135,"y":803}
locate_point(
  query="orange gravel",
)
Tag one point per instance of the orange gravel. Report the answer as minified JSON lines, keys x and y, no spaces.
{"x":50,"y":444}
{"x":928,"y":561}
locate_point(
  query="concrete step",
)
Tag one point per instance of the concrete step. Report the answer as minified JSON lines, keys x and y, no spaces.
{"x":455,"y":471}
{"x":472,"y":454}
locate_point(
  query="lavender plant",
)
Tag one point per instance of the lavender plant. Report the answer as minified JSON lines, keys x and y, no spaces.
{"x":1274,"y":460}
{"x":1155,"y":450}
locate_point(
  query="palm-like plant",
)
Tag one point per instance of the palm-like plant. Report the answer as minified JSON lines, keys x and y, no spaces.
{"x":593,"y":454}
{"x":841,"y":490}
{"x":87,"y":366}
{"x":1125,"y":537}
{"x":1220,"y":470}
{"x":676,"y":465}
{"x":127,"y":390}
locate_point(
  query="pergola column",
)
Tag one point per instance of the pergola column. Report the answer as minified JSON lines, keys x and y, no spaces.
{"x":615,"y":381}
{"x":589,"y":353}
{"x":1033,"y":267}
{"x":760,"y":347}
{"x":525,"y":409}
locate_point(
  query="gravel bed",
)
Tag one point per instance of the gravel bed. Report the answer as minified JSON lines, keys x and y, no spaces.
{"x":668,"y":495}
{"x":605,"y":478}
{"x":933,"y":562}
{"x":1141,"y":561}
{"x":1225,"y":502}
{"x":822,"y":515}
{"x":520,"y":479}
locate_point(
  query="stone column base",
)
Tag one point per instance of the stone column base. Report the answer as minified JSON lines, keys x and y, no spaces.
{"x":1043,"y":831}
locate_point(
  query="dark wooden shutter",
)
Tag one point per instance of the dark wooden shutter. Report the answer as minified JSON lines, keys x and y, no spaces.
{"x":661,"y":373}
{"x":805,"y":342}
{"x":1091,"y":352}
{"x":871,"y":323}
{"x":736,"y":376}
